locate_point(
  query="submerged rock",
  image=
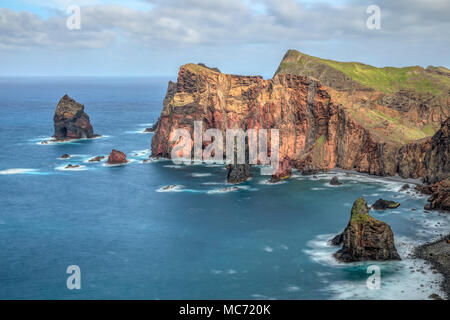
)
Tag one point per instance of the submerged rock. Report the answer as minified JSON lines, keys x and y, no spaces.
{"x":70,"y":166}
{"x":381,"y":204}
{"x":70,"y":120}
{"x":65,"y":156}
{"x":97,"y":159}
{"x":117,"y":157}
{"x":170,"y":187}
{"x":365,"y":238}
{"x":284,"y":171}
{"x":335,"y":181}
{"x":405,"y":187}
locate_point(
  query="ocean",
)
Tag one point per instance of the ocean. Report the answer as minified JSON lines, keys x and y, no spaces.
{"x":132,"y":239}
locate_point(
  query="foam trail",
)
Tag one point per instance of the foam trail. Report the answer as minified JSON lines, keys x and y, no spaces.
{"x":18,"y":171}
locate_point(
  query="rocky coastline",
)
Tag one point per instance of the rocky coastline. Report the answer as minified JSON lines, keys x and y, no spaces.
{"x":438,"y":254}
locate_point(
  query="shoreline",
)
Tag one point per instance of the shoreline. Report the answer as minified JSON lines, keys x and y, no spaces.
{"x":437,"y":253}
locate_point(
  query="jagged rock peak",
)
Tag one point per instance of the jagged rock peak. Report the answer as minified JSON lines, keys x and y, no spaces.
{"x":365,"y":238}
{"x":70,"y":120}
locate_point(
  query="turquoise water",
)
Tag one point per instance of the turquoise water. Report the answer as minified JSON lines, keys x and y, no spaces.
{"x":198,"y":241}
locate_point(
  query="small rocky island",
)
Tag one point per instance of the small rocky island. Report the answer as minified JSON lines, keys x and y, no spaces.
{"x":70,"y":121}
{"x":365,"y":238}
{"x":117,"y":157}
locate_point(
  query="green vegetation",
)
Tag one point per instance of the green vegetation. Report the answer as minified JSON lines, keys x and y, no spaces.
{"x":387,"y":79}
{"x":360,"y":212}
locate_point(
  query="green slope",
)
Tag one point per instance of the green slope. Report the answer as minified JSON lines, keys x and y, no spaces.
{"x":350,"y":75}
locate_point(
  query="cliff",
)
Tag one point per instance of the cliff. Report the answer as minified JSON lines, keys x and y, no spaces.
{"x":321,"y":127}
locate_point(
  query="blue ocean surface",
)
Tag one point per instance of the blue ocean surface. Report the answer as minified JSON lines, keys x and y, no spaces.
{"x":200,"y":240}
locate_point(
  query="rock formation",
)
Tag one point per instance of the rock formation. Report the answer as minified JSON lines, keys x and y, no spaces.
{"x":365,"y":238}
{"x":438,"y":253}
{"x":440,"y":196}
{"x":345,"y":124}
{"x":238,"y":173}
{"x":97,"y":159}
{"x":335,"y":181}
{"x":382,"y":204}
{"x":70,"y":120}
{"x":117,"y":157}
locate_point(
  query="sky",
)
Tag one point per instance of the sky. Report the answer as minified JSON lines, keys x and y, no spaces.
{"x":249,"y":37}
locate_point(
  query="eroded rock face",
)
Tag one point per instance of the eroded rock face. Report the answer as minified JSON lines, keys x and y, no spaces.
{"x":440,"y":196}
{"x":117,"y":157}
{"x":319,"y":127}
{"x":70,"y":120}
{"x":365,"y":238}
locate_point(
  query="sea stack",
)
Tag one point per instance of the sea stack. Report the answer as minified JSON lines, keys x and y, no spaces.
{"x":238,"y":173}
{"x":117,"y":157}
{"x":365,"y":238}
{"x":70,"y":120}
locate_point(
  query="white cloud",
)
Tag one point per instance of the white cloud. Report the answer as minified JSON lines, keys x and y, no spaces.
{"x":182,"y":23}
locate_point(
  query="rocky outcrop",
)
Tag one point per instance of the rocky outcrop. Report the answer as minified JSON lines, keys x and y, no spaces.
{"x":438,"y":253}
{"x":70,"y":120}
{"x":365,"y":238}
{"x":320,"y":127}
{"x":382,"y":204}
{"x":238,"y":173}
{"x":97,"y":159}
{"x":440,"y":196}
{"x":117,"y":157}
{"x":335,"y":181}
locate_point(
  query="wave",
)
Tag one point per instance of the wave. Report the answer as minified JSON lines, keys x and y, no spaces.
{"x":200,"y":175}
{"x":18,"y":171}
{"x":170,"y":188}
{"x":230,"y":189}
{"x":406,"y":279}
{"x":78,"y":168}
{"x":48,"y":141}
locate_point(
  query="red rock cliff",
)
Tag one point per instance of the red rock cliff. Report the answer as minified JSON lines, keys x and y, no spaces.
{"x":320,"y":128}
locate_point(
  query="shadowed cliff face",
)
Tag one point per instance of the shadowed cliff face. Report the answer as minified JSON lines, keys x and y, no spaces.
{"x":320,"y":128}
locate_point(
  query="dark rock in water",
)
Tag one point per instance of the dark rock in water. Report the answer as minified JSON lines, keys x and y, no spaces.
{"x":365,"y":238}
{"x":381,"y":204}
{"x":65,"y":156}
{"x":238,"y":173}
{"x":284,"y":171}
{"x":337,"y":240}
{"x":117,"y":157}
{"x":97,"y":159}
{"x":405,"y":187}
{"x":335,"y":182}
{"x":169,"y":187}
{"x":70,"y":166}
{"x":425,"y":189}
{"x":70,"y":120}
{"x":308,"y":171}
{"x":435,"y":296}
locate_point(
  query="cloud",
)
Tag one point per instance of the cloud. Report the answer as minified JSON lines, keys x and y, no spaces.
{"x":183,"y":23}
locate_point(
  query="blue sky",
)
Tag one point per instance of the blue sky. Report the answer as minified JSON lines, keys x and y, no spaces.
{"x":155,"y":37}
